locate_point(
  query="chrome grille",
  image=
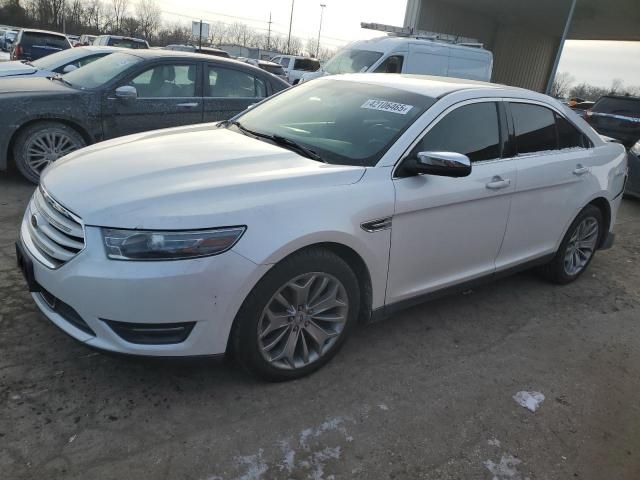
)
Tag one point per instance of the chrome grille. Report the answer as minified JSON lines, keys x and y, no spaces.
{"x":55,"y":233}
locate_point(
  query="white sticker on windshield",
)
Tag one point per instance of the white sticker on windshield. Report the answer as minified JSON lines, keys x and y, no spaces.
{"x":383,"y":105}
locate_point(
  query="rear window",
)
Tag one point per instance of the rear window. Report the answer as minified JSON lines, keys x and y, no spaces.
{"x":126,"y":43}
{"x":629,"y":107}
{"x":306,"y":64}
{"x":38,"y":39}
{"x":275,"y":69}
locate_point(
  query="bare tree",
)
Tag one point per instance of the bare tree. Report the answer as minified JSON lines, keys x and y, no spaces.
{"x":118,"y":12}
{"x":148,"y":15}
{"x":561,"y":84}
{"x":617,"y":87}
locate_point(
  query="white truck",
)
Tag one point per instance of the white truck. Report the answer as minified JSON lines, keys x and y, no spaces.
{"x":441,"y":55}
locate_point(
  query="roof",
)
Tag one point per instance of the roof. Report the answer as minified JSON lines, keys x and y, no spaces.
{"x":429,"y":86}
{"x":386,"y":43}
{"x":49,"y":32}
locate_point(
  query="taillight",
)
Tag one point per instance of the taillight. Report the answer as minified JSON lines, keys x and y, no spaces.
{"x":17,"y":52}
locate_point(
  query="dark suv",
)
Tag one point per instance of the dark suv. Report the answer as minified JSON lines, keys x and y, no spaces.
{"x":616,"y":117}
{"x":33,"y":44}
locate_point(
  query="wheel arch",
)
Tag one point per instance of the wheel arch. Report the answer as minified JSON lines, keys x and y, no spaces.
{"x":352,"y":258}
{"x":65,"y":121}
{"x":602,"y":204}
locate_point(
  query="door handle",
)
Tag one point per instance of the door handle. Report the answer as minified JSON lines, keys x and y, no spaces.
{"x":188,"y":105}
{"x":497,"y":183}
{"x":580,"y":170}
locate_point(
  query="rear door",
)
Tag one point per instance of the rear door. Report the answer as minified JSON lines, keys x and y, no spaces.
{"x":169,"y":95}
{"x":228,"y":91}
{"x":554,"y":161}
{"x":427,"y":59}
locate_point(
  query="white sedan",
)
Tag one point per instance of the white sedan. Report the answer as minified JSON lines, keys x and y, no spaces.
{"x":343,"y":199}
{"x":61,"y":62}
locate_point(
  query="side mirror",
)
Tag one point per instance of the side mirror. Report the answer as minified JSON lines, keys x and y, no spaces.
{"x":126,"y":92}
{"x":444,"y":164}
{"x":69,"y":68}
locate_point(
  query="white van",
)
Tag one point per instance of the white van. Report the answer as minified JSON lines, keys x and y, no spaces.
{"x":391,"y":54}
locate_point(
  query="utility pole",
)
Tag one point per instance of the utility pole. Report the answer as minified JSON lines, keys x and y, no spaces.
{"x":322,"y":7}
{"x":269,"y":34}
{"x":290,"y":23}
{"x":200,"y":36}
{"x":64,"y":21}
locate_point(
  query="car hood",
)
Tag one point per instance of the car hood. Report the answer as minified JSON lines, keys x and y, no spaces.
{"x":16,"y":68}
{"x":33,"y":85}
{"x":187,"y":177}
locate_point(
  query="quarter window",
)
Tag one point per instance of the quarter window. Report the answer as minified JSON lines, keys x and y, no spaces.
{"x":472,"y":130}
{"x":535,"y":128}
{"x":568,"y":135}
{"x":229,"y":83}
{"x":166,"y":81}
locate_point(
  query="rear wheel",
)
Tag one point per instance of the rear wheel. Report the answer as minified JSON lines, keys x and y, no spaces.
{"x":42,"y":143}
{"x":577,"y":248}
{"x":297,"y":317}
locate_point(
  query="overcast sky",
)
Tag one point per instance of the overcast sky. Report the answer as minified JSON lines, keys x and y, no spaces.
{"x":597,"y":63}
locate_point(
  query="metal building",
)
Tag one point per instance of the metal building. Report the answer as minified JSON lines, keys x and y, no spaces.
{"x":526,"y":36}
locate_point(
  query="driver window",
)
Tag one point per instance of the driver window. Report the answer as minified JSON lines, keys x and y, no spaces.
{"x":472,"y":130}
{"x":393,"y":64}
{"x":166,"y":81}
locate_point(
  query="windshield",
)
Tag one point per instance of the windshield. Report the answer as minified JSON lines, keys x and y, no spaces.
{"x":126,"y":43}
{"x":53,"y":61}
{"x":44,"y":40}
{"x":101,"y":71}
{"x":351,"y":61}
{"x":346,"y":123}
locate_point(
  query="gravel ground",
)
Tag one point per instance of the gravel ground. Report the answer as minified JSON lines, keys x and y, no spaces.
{"x":426,"y":394}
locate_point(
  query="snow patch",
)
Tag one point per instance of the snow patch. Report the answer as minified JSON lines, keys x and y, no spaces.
{"x":255,"y":465}
{"x":507,"y":469}
{"x":494,"y":442}
{"x":529,"y":400}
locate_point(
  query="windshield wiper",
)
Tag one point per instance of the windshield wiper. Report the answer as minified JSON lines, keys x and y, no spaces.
{"x":60,"y":79}
{"x":279,"y":140}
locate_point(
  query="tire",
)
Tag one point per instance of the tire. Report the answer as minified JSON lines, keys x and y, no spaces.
{"x":42,"y":143}
{"x":559,"y":269}
{"x":265,"y":326}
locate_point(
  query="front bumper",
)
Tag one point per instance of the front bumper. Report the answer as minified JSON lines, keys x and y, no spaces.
{"x":205,"y":292}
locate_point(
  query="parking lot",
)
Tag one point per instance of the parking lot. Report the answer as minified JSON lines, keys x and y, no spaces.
{"x":424,"y":394}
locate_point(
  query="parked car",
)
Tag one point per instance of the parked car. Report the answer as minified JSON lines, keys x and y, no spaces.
{"x":74,"y":40}
{"x":271,"y":67}
{"x":633,"y":184}
{"x":120,"y":41}
{"x":410,"y":55}
{"x":617,"y":117}
{"x":344,"y":199}
{"x":86,"y":40}
{"x":7,"y":40}
{"x":61,"y":62}
{"x":581,"y":107}
{"x":125,"y":92}
{"x":193,"y":49}
{"x":295,"y":66}
{"x":32,"y":44}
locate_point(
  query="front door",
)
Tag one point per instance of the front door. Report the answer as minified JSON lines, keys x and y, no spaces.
{"x":449,"y":230}
{"x":168,"y":96}
{"x":229,"y":91}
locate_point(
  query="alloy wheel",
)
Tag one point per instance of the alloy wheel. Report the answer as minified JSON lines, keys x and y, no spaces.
{"x":581,"y":246}
{"x":303,"y":320}
{"x":46,"y":147}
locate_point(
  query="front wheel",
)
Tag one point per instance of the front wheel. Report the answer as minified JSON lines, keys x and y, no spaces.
{"x":297,"y":317}
{"x":577,"y":248}
{"x":42,"y":143}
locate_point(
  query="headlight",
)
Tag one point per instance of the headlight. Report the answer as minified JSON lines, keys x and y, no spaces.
{"x":636,"y":148}
{"x":168,"y":245}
